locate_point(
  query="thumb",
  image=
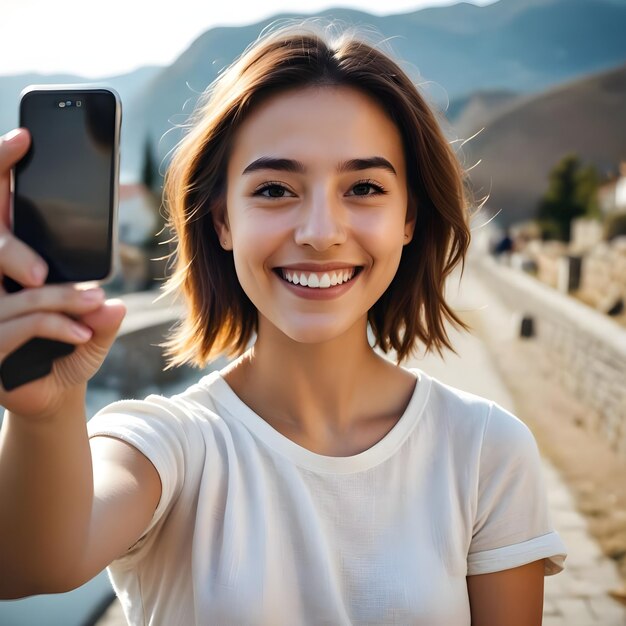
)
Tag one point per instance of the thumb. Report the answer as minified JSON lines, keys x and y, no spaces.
{"x":82,"y":364}
{"x":13,"y":146}
{"x":105,"y":323}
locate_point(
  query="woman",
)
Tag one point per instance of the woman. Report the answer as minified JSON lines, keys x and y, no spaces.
{"x":311,"y":481}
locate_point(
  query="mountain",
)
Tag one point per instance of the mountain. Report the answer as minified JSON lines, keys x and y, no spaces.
{"x":470,"y":113}
{"x":458,"y":54}
{"x":523,"y":46}
{"x":518,"y":45}
{"x":168,"y":99}
{"x":521,"y":144}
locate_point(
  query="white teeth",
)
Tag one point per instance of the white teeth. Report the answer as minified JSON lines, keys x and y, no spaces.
{"x":315,"y":280}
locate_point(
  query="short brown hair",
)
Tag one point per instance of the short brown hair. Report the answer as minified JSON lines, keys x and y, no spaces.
{"x":221,"y":320}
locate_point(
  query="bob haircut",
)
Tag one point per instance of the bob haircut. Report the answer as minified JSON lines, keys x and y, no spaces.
{"x":220,"y":319}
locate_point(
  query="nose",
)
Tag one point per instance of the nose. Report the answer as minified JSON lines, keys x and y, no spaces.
{"x":321,"y":223}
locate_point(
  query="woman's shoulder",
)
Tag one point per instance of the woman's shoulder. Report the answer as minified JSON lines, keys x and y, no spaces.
{"x":187,"y":409}
{"x":470,"y":413}
{"x":451,"y":401}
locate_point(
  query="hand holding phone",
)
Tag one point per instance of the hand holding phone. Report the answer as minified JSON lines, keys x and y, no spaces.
{"x":58,"y":312}
{"x":64,"y":205}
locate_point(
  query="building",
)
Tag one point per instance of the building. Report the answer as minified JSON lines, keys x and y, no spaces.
{"x":612,"y":193}
{"x":137,"y":227}
{"x":137,"y":214}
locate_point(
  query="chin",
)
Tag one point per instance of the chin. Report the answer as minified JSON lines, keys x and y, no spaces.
{"x":319,"y":331}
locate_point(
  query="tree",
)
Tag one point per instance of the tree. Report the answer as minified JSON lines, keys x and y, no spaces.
{"x":151,"y":179}
{"x":572,"y":193}
{"x":150,"y":172}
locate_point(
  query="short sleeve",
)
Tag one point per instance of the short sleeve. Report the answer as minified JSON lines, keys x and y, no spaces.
{"x":156,"y":428}
{"x":512,"y":525}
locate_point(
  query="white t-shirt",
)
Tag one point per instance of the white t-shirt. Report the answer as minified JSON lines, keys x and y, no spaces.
{"x":254,"y":529}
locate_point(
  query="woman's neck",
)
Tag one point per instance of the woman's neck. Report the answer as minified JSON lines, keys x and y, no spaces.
{"x":319,"y":391}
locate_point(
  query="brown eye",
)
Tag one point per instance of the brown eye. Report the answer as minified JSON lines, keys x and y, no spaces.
{"x":272,"y":190}
{"x":275,"y":191}
{"x":367,"y":188}
{"x":362,"y":189}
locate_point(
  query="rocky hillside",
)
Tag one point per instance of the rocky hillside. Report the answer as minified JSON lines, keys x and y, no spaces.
{"x":524,"y":138}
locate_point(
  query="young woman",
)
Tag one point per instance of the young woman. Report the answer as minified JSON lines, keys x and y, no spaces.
{"x":311,"y":481}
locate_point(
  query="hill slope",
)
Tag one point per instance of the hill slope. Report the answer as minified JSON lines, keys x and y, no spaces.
{"x":520,"y":146}
{"x":514,"y":45}
{"x":519,"y":46}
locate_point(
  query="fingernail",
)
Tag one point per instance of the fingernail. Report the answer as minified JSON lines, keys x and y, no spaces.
{"x":81,"y":332}
{"x":92,"y":295}
{"x":9,"y":137}
{"x":39,"y":272}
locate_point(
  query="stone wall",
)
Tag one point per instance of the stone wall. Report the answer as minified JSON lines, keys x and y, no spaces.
{"x":603,"y":280}
{"x":588,"y":349}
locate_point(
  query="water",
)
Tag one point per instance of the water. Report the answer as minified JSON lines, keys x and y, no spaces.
{"x":80,"y":606}
{"x":75,"y":608}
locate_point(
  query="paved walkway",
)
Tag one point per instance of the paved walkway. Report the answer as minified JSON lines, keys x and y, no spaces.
{"x":578,"y":595}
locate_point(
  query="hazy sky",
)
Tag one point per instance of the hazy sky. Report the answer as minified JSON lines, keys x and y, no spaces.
{"x":109,"y":37}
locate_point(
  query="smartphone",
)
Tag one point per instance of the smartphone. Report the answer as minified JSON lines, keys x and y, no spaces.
{"x":65,"y":197}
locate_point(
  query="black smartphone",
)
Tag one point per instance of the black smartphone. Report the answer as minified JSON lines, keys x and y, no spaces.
{"x":65,"y":196}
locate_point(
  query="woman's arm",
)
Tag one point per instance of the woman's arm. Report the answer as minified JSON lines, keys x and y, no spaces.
{"x":511,"y":597}
{"x":62,"y":523}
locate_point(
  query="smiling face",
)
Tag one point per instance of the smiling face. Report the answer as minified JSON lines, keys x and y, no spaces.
{"x":316,"y":210}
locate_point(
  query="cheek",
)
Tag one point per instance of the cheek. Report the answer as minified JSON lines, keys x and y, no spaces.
{"x":253,"y":233}
{"x":256,"y":238}
{"x":382,"y":234}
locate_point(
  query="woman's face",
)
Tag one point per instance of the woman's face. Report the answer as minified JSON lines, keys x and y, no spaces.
{"x":316,"y":207}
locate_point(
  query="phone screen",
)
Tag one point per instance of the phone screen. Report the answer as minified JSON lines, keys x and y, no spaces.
{"x":64,"y":188}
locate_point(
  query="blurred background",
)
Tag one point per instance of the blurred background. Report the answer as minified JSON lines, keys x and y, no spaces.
{"x":532,"y":95}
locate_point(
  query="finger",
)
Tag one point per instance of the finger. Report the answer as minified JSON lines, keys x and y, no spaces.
{"x":58,"y":298}
{"x":105,"y":322}
{"x":13,"y":146}
{"x":20,"y":262}
{"x":57,"y":326}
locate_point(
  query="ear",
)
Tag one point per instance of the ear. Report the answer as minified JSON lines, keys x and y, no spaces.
{"x":411,"y":216}
{"x":409,"y":229}
{"x":222,"y":228}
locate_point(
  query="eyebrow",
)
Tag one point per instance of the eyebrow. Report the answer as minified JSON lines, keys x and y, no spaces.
{"x":297,"y":167}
